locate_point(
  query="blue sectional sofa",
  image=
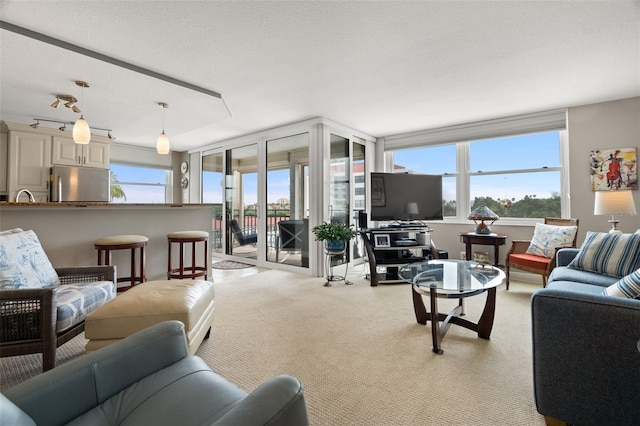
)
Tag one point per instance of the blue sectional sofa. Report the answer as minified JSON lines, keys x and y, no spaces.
{"x":586,"y":349}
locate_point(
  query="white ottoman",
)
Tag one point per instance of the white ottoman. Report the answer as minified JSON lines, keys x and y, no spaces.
{"x":189,"y":301}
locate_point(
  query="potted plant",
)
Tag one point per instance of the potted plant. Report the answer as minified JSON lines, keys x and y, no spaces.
{"x":334,"y":235}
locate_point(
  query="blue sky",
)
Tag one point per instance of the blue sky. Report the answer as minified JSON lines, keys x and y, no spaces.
{"x":509,"y":153}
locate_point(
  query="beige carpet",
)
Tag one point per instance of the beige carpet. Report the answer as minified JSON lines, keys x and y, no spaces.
{"x":360,"y":354}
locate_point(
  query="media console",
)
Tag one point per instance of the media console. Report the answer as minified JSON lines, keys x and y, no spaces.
{"x":390,"y":247}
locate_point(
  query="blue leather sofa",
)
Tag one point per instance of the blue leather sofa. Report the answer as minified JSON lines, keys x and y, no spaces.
{"x":149,"y":378}
{"x":586,"y":349}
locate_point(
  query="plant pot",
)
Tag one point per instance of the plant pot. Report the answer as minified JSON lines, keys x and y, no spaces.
{"x":335,"y":246}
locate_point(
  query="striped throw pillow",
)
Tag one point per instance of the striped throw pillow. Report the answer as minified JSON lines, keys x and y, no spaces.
{"x":628,"y":286}
{"x":615,"y":255}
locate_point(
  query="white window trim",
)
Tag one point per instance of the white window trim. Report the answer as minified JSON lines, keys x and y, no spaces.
{"x":462,"y":135}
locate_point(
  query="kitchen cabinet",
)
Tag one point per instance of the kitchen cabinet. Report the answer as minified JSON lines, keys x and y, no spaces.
{"x":28,"y":160}
{"x":66,"y":152}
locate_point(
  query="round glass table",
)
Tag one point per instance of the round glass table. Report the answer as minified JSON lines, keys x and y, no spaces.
{"x":452,"y":279}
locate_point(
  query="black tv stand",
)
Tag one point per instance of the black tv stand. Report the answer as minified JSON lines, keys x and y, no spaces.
{"x":405,"y":245}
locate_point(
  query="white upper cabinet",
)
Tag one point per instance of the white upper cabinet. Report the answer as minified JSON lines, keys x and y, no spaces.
{"x":68,"y":153}
{"x":29,"y":159}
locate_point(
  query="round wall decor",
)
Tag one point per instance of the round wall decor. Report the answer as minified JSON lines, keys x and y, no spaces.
{"x":184,"y":183}
{"x":184,"y":167}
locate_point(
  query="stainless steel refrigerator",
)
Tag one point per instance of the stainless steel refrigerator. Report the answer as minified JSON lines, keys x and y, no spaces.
{"x":79,"y":184}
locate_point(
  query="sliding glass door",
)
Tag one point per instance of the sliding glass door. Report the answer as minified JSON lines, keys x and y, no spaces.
{"x":287,"y":215}
{"x":339,"y":183}
{"x":241,"y":200}
{"x":359,"y":192}
{"x":212,"y":190}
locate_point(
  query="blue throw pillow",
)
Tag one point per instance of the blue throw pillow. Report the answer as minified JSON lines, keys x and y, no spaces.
{"x":628,"y":286}
{"x":23,"y":262}
{"x":615,"y":255}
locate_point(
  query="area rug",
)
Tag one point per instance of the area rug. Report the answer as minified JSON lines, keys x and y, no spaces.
{"x":230,"y":264}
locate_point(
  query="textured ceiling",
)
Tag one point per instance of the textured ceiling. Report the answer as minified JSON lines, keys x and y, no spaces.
{"x":380,"y":67}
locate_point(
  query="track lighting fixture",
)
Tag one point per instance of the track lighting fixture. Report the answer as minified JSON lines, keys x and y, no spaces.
{"x":64,"y":124}
{"x":81,"y":130}
{"x":162,"y":145}
{"x":69,"y":102}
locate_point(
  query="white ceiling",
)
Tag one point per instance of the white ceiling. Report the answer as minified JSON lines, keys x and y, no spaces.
{"x":380,"y":67}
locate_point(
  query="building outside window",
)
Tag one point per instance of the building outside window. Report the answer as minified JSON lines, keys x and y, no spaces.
{"x":136,"y":184}
{"x":517,"y":176}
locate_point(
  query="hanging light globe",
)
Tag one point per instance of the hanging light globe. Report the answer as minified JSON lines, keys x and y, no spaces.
{"x":162,"y":145}
{"x":81,"y":131}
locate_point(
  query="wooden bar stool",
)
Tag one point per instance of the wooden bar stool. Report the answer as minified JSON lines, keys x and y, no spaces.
{"x":124,"y":242}
{"x":194,"y":271}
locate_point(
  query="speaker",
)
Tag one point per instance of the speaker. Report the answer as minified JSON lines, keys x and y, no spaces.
{"x":442,"y":254}
{"x":362,"y":219}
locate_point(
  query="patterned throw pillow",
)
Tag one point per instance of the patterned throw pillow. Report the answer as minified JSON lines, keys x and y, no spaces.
{"x":615,"y":255}
{"x":547,"y":238}
{"x":11,"y":231}
{"x":628,"y":286}
{"x":23,"y":262}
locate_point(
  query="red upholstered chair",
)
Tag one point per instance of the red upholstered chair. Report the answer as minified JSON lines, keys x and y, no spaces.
{"x":518,"y":258}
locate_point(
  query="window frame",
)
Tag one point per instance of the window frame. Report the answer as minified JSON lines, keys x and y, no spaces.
{"x":463,"y":175}
{"x":168,"y":185}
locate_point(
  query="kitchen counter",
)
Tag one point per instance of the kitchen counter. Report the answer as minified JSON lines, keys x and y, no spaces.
{"x":95,"y":204}
{"x":67,"y":230}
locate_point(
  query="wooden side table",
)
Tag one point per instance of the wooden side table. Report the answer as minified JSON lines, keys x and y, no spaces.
{"x":495,"y":240}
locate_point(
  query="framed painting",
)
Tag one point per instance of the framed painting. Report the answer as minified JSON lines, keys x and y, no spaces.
{"x":378,"y":197}
{"x":382,"y":240}
{"x":613,"y":169}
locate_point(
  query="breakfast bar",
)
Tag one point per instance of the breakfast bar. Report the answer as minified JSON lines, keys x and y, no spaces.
{"x":67,"y":230}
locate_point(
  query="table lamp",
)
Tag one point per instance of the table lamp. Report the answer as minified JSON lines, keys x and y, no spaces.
{"x":481,"y":214}
{"x":613,"y":203}
{"x":411,"y":209}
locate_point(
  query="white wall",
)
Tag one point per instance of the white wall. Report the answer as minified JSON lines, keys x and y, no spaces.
{"x":607,"y":125}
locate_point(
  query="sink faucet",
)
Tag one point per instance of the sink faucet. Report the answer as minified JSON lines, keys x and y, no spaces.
{"x":29,"y":194}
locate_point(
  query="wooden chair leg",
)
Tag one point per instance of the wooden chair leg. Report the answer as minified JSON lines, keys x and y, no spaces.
{"x":551,"y":421}
{"x":49,"y":346}
{"x":507,"y":273}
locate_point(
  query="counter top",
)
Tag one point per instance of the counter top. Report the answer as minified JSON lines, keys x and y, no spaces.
{"x":99,"y":204}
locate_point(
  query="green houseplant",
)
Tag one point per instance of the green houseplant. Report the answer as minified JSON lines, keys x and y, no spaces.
{"x":334,"y":235}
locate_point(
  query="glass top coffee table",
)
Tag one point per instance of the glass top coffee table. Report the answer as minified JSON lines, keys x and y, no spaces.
{"x":452,"y":279}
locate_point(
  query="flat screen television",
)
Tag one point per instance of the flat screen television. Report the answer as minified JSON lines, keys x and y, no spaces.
{"x":405,"y":197}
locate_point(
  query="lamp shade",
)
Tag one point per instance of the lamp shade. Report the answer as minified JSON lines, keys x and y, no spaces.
{"x":614,"y":202}
{"x":483,"y":213}
{"x":411,"y":208}
{"x":162,"y":145}
{"x":81,"y":132}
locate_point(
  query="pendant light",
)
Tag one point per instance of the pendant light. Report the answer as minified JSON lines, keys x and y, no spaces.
{"x":81,"y":130}
{"x":162,"y":145}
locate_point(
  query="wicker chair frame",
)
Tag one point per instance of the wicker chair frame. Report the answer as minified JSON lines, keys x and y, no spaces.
{"x":28,"y":316}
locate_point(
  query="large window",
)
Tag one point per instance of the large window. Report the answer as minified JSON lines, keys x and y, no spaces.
{"x":517,"y":176}
{"x":135,"y":184}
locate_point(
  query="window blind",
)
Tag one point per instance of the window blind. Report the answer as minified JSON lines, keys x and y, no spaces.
{"x":518,"y":124}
